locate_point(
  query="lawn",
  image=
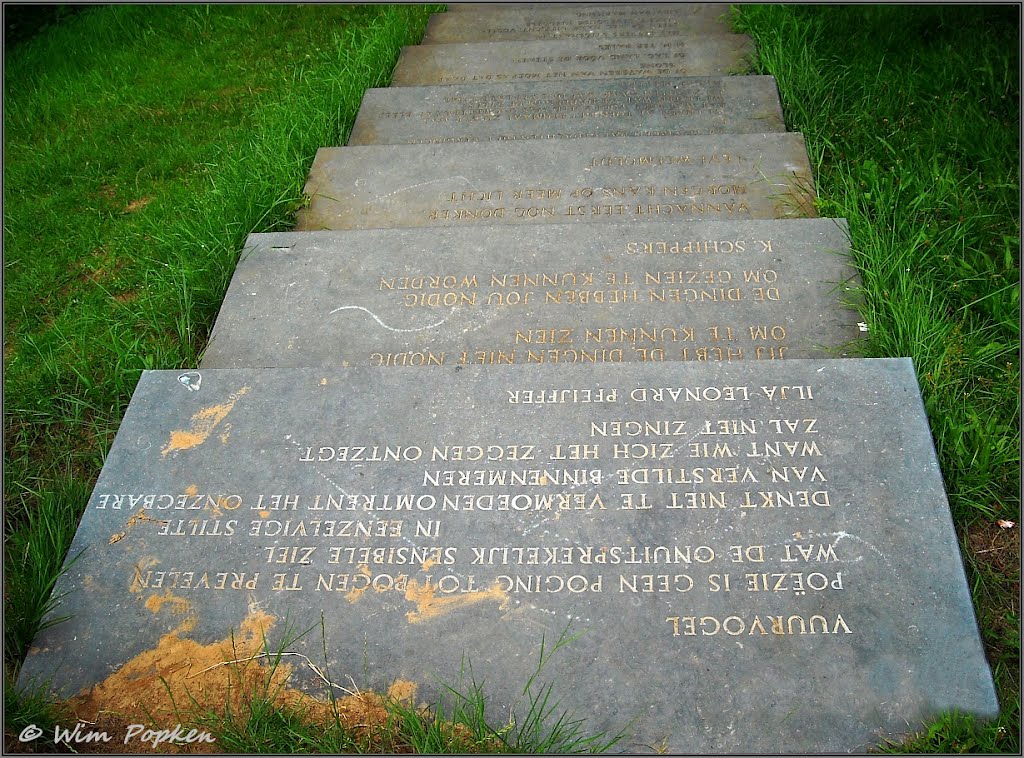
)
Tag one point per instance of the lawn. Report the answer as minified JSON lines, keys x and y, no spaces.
{"x":911,"y":118}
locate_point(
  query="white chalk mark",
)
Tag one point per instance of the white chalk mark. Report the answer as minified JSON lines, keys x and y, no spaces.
{"x":488,"y":316}
{"x":391,"y":328}
{"x":333,"y":483}
{"x":324,"y":476}
{"x":423,"y":184}
{"x":840,"y":536}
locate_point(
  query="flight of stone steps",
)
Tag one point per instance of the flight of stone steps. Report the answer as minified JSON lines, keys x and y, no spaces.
{"x":559,"y":346}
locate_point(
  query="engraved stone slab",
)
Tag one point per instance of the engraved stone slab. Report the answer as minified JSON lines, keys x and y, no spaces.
{"x":757,"y":557}
{"x":558,"y":60}
{"x":552,"y":110}
{"x":589,"y":8}
{"x":733,"y":176}
{"x":683,"y":291}
{"x":502,"y":23}
{"x":713,"y":10}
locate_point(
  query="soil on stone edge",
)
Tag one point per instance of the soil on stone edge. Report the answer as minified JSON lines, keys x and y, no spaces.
{"x":178,"y":679}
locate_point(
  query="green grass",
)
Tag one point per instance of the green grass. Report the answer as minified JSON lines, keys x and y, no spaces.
{"x":24,"y":709}
{"x":911,"y":117}
{"x":457,"y":724}
{"x":143,"y":143}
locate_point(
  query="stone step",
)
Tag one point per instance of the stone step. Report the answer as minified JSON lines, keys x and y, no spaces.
{"x":756,"y":557}
{"x":715,"y":9}
{"x":665,"y":291}
{"x":662,"y":106}
{"x":624,"y":430}
{"x":553,"y":60}
{"x":732,"y":176}
{"x":575,"y":22}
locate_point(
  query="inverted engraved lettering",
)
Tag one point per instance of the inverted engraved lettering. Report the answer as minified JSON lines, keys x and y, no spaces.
{"x":735,"y":625}
{"x":511,"y":477}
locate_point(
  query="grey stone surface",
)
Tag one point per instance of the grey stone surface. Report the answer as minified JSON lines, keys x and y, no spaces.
{"x":792,"y":585}
{"x":502,"y":23}
{"x":718,"y":177}
{"x":591,"y":11}
{"x":754,"y":290}
{"x":662,"y":106}
{"x":558,"y":60}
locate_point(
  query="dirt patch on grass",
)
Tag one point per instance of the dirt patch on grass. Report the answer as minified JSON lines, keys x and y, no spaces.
{"x":100,"y":266}
{"x":108,"y":194}
{"x":238,"y":89}
{"x":996,"y":547}
{"x":138,"y":205}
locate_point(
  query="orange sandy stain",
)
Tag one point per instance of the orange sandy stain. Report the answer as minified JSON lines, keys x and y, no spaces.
{"x":428,"y":564}
{"x":215,"y":507}
{"x":180,"y":679}
{"x":135,"y":519}
{"x":264,"y":514}
{"x":145,"y":564}
{"x":430,"y":605}
{"x":180,"y":671}
{"x":142,"y":516}
{"x":203,"y":423}
{"x":354,"y":594}
{"x":402,"y":690}
{"x":178,"y":605}
{"x":192,"y":490}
